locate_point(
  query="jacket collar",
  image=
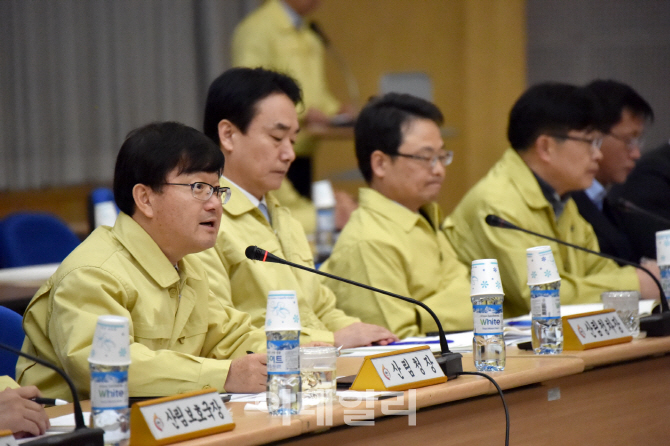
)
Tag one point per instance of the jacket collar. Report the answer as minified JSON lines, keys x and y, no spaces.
{"x":147,"y":253}
{"x":403,"y":217}
{"x":524,"y":180}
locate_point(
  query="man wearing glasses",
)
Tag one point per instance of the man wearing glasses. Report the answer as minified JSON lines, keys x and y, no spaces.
{"x":394,"y":240}
{"x":625,"y":114}
{"x":554,"y":131}
{"x":181,"y":337}
{"x":251,"y":114}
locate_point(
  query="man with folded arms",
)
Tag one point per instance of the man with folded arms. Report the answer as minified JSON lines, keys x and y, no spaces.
{"x":181,"y":337}
{"x":393,"y":240}
{"x":251,"y":114}
{"x":554,"y":130}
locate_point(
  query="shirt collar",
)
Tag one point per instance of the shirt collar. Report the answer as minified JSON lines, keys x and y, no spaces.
{"x":596,"y":192}
{"x":294,"y":17}
{"x":557,"y":202}
{"x":254,"y":201}
{"x":405,"y":218}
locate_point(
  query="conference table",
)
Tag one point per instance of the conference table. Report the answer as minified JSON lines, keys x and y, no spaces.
{"x":614,"y":395}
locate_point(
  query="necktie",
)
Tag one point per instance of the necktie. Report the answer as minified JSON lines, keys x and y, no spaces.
{"x":264,"y":211}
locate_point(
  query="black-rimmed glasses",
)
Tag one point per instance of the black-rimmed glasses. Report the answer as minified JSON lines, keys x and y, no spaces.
{"x":203,"y":191}
{"x":444,"y":159}
{"x":594,"y":142}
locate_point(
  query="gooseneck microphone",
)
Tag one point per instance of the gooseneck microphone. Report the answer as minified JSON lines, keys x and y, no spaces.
{"x":450,"y":362}
{"x":654,"y":325}
{"x":82,"y":435}
{"x":629,"y":207}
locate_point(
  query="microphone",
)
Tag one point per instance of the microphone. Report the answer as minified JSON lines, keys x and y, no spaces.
{"x":82,"y":435}
{"x":450,"y":362}
{"x":654,"y":325}
{"x":629,"y":207}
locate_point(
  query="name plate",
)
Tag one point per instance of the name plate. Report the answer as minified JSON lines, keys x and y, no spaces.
{"x":399,"y":370}
{"x":7,"y":438}
{"x":178,"y":418}
{"x":596,"y":329}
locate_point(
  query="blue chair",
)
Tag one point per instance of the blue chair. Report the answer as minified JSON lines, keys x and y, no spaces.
{"x":11,"y":334}
{"x":28,"y":238}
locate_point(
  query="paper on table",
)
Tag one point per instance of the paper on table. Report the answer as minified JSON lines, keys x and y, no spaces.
{"x":260,"y":403}
{"x":457,"y":342}
{"x":66,"y":423}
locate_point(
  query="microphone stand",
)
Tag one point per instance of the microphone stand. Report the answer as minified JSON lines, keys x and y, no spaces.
{"x":654,"y":324}
{"x":450,"y":362}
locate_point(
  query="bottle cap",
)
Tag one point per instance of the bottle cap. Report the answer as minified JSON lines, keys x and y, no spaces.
{"x":282,"y":311}
{"x":485,"y":278}
{"x":110,"y":342}
{"x":323,"y":195}
{"x":541,"y":266}
{"x":663,"y":247}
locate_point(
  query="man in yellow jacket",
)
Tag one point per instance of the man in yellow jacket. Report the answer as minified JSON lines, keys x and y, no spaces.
{"x":555,"y":138}
{"x":393,"y":240}
{"x":277,"y":36}
{"x":181,"y":337}
{"x":251,"y":113}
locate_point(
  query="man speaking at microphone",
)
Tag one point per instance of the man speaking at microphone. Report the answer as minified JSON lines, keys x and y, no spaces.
{"x":554,"y":131}
{"x":251,"y":114}
{"x":181,"y":337}
{"x":394,"y":240}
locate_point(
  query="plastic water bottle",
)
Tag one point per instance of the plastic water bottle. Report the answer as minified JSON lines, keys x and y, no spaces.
{"x":324,"y":201}
{"x":109,"y":403}
{"x":488,"y":345}
{"x":665,"y":279}
{"x":284,"y":385}
{"x":547,"y":326}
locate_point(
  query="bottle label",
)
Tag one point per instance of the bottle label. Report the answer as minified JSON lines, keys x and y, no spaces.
{"x":488,"y":319}
{"x":545,"y":304}
{"x":665,"y":279}
{"x":284,"y":357}
{"x":109,"y":390}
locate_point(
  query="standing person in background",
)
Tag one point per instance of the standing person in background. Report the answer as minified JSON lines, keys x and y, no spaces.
{"x":625,"y":115}
{"x":251,"y":114}
{"x":394,"y":240}
{"x":277,"y":36}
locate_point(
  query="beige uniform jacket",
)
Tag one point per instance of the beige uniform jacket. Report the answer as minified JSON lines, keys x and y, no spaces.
{"x":243,"y":225}
{"x":511,"y":191}
{"x":387,"y":246}
{"x":181,"y":337}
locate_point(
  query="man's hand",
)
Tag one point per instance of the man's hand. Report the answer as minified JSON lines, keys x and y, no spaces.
{"x":21,"y":415}
{"x":648,"y":288}
{"x":359,"y":334}
{"x":247,"y":374}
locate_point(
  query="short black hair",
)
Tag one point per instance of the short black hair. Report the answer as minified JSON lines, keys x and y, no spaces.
{"x":552,"y":108}
{"x":616,"y":97}
{"x":234,"y":95}
{"x":151,"y":152}
{"x":380,"y":125}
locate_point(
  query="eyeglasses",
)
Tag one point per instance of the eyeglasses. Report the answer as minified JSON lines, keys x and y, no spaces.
{"x":203,"y":191}
{"x":444,"y":160}
{"x":631,"y":143}
{"x":595,"y":142}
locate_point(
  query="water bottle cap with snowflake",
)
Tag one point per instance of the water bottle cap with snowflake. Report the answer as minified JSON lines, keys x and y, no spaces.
{"x":282,"y":311}
{"x":541,"y":266}
{"x":663,"y":247}
{"x":485,"y":278}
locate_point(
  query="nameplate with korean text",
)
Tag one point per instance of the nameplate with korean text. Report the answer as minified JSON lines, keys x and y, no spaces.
{"x":7,"y":438}
{"x":399,"y":370}
{"x":177,"y":418}
{"x":595,"y":329}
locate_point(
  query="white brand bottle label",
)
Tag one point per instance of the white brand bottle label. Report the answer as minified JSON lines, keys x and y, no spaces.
{"x":284,"y":357}
{"x":488,"y":319}
{"x":545,"y":304}
{"x":109,"y":390}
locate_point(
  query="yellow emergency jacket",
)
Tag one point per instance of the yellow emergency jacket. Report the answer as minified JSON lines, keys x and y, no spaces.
{"x":511,"y":191}
{"x":181,"y":337}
